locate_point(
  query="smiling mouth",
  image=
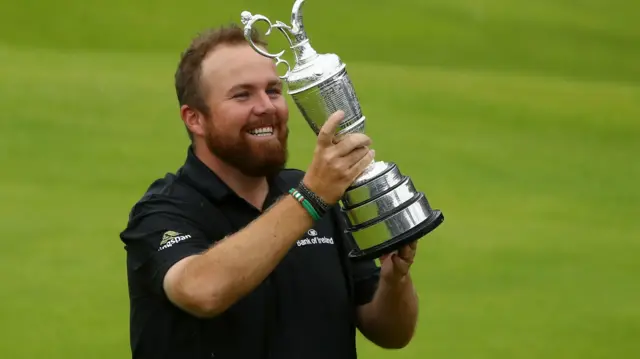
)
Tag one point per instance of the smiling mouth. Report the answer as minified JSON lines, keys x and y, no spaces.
{"x":262,"y":131}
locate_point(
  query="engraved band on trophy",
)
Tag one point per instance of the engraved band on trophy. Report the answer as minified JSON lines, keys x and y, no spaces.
{"x":382,"y":208}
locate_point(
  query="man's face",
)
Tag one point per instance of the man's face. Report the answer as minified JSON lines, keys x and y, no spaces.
{"x":248,"y":123}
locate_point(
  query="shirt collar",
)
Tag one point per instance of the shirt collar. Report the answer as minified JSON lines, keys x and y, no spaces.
{"x":203,"y":178}
{"x":206,"y":181}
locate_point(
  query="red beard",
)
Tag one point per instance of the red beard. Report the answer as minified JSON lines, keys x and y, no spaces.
{"x":254,"y":159}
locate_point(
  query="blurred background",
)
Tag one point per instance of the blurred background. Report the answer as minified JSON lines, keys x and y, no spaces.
{"x":519,"y":119}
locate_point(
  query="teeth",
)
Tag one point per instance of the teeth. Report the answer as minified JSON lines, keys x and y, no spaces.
{"x":262,"y":131}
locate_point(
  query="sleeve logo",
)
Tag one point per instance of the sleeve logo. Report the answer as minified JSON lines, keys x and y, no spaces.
{"x":169,"y":238}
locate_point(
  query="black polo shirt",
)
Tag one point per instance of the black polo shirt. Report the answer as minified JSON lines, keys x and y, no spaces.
{"x":304,"y":309}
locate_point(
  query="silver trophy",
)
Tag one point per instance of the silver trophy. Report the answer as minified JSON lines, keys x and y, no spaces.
{"x":383,"y":209}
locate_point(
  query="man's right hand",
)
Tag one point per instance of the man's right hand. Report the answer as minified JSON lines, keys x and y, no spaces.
{"x":336,"y":165}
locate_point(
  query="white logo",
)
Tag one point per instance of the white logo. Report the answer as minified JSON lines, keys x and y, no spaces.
{"x":170,"y":238}
{"x":314,"y":239}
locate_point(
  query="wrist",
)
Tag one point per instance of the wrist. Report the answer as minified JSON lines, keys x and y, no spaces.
{"x":306,"y":204}
{"x":319,"y":204}
{"x":319,"y":189}
{"x":396,"y":282}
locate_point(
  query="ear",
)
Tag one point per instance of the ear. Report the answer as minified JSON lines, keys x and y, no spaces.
{"x":193,"y":119}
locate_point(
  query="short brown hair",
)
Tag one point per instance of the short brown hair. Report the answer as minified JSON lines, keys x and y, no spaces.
{"x":188,"y":74}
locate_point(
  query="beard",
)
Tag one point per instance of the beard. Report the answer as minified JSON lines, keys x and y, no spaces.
{"x":253,"y":159}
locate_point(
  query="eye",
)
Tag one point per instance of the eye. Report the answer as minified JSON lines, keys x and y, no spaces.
{"x":241,"y":95}
{"x":274,"y":91}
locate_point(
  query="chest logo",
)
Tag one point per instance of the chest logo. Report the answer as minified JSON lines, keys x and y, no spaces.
{"x":313,"y":238}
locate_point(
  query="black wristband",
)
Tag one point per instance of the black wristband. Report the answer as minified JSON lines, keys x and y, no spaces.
{"x":318,"y":204}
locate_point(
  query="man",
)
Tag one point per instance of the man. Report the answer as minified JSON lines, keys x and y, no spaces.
{"x":225,"y":260}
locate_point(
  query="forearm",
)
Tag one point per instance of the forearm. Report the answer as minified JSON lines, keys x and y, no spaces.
{"x":389,"y":320}
{"x":239,"y":263}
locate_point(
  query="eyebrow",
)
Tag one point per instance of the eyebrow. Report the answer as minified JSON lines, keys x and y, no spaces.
{"x":271,"y":83}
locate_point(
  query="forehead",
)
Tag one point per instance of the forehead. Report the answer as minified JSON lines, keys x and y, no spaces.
{"x":231,"y":65}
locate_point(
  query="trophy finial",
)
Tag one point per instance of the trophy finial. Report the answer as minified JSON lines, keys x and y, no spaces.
{"x":300,"y":45}
{"x":245,"y":17}
{"x":297,"y":22}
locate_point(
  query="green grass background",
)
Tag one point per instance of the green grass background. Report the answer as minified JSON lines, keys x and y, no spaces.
{"x":519,"y":119}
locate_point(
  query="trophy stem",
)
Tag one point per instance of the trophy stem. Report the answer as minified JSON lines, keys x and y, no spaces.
{"x":303,"y":53}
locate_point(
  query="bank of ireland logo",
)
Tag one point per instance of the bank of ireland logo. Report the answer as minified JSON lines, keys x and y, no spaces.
{"x":169,"y":238}
{"x":314,"y":238}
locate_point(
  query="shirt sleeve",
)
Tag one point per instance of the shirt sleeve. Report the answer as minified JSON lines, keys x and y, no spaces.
{"x":155,"y":240}
{"x":364,"y":274}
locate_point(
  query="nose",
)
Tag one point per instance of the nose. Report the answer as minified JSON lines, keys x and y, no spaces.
{"x":264,"y":105}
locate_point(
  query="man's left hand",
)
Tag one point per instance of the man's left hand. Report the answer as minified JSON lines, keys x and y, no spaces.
{"x":396,"y":265}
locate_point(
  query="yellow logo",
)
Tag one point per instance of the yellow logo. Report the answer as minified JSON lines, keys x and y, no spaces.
{"x":167,"y":236}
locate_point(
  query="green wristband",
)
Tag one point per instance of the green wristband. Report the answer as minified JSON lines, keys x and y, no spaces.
{"x":305,"y":203}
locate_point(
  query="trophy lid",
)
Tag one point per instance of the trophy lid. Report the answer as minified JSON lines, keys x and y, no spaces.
{"x":310,"y":67}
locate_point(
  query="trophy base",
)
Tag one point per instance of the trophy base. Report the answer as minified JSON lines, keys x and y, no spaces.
{"x":399,"y":241}
{"x":384,"y":212}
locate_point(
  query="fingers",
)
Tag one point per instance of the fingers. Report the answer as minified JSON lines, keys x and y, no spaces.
{"x":356,"y":155}
{"x":402,"y":265}
{"x":328,"y":130}
{"x":350,"y":142}
{"x":405,"y":252}
{"x":336,"y":162}
{"x":361,"y":165}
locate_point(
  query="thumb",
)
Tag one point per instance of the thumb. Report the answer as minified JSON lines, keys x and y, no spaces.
{"x":328,"y":130}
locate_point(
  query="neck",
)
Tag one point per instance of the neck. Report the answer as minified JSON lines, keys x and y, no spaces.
{"x":252,"y":189}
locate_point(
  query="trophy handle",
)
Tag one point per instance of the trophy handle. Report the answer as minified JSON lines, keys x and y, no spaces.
{"x":248,"y":20}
